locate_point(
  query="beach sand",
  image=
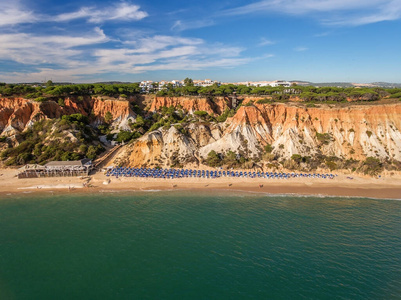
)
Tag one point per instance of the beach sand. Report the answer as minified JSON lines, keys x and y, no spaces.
{"x":385,"y":187}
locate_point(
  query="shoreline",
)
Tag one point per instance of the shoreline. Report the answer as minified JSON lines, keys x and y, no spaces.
{"x":377,"y":188}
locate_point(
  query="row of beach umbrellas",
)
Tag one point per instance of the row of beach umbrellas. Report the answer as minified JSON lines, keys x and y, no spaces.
{"x":191,"y":173}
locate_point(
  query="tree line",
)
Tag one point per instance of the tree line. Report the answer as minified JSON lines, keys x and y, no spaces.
{"x":303,"y":93}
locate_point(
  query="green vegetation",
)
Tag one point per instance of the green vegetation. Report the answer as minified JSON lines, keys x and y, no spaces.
{"x":108,"y":117}
{"x":372,"y":166}
{"x":165,"y":118}
{"x":263,"y":101}
{"x":324,"y":138}
{"x":41,"y":99}
{"x":200,"y":113}
{"x":228,"y":113}
{"x":213,"y":159}
{"x":268,"y":148}
{"x":68,"y":138}
{"x":51,"y":90}
{"x":125,"y":136}
{"x":229,"y":160}
{"x":308,"y":94}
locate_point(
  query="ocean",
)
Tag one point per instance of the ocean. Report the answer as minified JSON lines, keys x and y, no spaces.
{"x":198,"y":245}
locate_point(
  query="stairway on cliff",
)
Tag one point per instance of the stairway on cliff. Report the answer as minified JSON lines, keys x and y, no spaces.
{"x":105,"y":157}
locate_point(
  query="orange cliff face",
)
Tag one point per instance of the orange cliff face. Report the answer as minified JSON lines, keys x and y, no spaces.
{"x":353,"y":132}
{"x":120,"y":110}
{"x":17,"y":114}
{"x":216,"y":106}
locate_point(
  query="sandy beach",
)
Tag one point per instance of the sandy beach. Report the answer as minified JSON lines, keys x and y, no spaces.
{"x":385,"y":187}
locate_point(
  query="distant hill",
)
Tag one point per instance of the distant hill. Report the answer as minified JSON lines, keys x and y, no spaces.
{"x":301,"y":82}
{"x":113,"y":82}
{"x":336,"y":84}
{"x":347,"y":84}
{"x":387,"y":84}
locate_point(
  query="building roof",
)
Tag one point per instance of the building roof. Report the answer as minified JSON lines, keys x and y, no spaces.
{"x":32,"y":167}
{"x":72,"y":163}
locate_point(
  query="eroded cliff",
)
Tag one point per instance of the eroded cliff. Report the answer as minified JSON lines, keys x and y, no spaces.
{"x":351,"y":132}
{"x":346,"y":132}
{"x":18,"y":114}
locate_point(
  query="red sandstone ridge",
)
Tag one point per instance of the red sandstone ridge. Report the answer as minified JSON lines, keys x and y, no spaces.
{"x":216,"y":106}
{"x":120,"y":110}
{"x":16,"y":114}
{"x":351,"y":132}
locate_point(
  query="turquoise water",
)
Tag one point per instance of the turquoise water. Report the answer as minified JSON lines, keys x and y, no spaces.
{"x":186,"y":245}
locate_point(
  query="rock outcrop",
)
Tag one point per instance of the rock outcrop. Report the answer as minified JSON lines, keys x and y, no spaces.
{"x":18,"y":114}
{"x":121,"y":113}
{"x":216,"y":105}
{"x":353,"y":132}
{"x":347,"y":132}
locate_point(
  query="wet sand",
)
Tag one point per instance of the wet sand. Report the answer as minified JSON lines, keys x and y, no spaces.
{"x":384,"y":188}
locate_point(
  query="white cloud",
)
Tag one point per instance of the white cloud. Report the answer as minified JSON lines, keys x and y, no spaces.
{"x":301,"y":49}
{"x":157,"y":52}
{"x":11,"y":13}
{"x":337,"y":12}
{"x":122,"y":12}
{"x":65,"y":56}
{"x":55,"y":49}
{"x":265,"y":42}
{"x":157,"y":42}
{"x":388,"y":12}
{"x":72,"y":62}
{"x":180,"y":25}
{"x":194,"y":64}
{"x":322,"y":34}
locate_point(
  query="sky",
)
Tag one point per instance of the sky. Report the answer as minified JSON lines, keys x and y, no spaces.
{"x":227,"y":40}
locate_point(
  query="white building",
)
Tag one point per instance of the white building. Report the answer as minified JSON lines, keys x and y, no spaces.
{"x":177,"y":83}
{"x":206,"y":82}
{"x":146,"y":85}
{"x":280,"y":83}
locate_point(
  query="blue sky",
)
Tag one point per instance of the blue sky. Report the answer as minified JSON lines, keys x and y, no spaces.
{"x":227,"y":40}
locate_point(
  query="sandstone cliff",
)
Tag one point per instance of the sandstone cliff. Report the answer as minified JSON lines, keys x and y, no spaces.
{"x":348,"y":132}
{"x":17,"y":114}
{"x":216,"y":105}
{"x":352,"y":132}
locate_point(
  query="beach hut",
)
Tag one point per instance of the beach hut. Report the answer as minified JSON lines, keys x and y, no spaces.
{"x":69,"y":168}
{"x":31,"y":171}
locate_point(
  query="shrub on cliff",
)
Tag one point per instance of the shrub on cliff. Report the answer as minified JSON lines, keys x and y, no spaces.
{"x":200,"y":113}
{"x":59,"y":139}
{"x":108,"y":118}
{"x":372,"y":166}
{"x":230,"y":159}
{"x":268,"y":148}
{"x":331,"y":165}
{"x":263,"y":101}
{"x":126,"y":136}
{"x":228,"y":113}
{"x":324,"y":138}
{"x":213,"y":159}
